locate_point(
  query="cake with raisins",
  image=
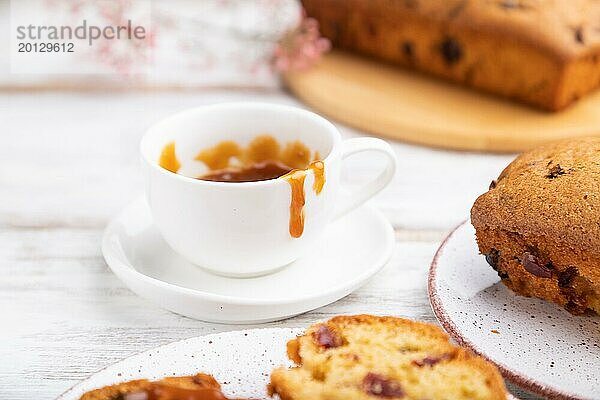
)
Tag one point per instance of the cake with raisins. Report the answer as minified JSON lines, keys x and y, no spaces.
{"x":368,"y":357}
{"x":199,"y":386}
{"x":539,"y":224}
{"x":545,"y":53}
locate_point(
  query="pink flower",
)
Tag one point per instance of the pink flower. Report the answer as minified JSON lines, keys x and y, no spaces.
{"x":300,"y":48}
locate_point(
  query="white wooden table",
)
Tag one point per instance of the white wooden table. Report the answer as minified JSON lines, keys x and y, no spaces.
{"x":68,"y":162}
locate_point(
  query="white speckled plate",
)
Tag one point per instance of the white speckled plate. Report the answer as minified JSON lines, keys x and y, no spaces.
{"x":350,"y":251}
{"x":241,"y":361}
{"x":538,"y":346}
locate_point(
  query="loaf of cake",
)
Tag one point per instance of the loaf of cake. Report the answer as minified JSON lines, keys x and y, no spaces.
{"x":539,"y":224}
{"x":365,"y":357}
{"x":542,"y":52}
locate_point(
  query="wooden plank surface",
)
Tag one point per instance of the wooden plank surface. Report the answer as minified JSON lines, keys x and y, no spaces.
{"x":68,"y":162}
{"x":397,"y":103}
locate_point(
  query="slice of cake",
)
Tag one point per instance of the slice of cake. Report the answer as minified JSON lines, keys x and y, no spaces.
{"x":539,"y":224}
{"x":199,"y":386}
{"x":367,"y":357}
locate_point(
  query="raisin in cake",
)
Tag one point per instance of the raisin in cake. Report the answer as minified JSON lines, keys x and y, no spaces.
{"x":184,"y":387}
{"x":542,"y":52}
{"x":539,"y":224}
{"x":367,"y":357}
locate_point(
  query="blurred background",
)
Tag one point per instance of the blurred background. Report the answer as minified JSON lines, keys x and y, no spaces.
{"x":69,"y":154}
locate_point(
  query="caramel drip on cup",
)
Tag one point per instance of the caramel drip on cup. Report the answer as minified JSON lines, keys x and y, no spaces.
{"x":262,"y":148}
{"x":168,"y":160}
{"x":219,"y":156}
{"x":318,"y":169}
{"x":296,"y":180}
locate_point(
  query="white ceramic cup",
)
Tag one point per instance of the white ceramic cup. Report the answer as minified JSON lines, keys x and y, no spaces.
{"x":242,"y":229}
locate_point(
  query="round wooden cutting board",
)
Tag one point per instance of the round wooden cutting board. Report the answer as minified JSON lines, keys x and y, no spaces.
{"x":404,"y":105}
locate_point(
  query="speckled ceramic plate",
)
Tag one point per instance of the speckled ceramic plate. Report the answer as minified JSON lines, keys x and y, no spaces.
{"x":538,"y":346}
{"x":241,"y":361}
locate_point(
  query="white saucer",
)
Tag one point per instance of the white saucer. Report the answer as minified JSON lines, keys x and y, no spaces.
{"x":537,"y":345}
{"x":350,"y":252}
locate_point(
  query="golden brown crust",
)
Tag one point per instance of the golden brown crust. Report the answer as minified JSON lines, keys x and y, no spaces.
{"x":293,"y":348}
{"x":538,"y":225}
{"x":545,"y":53}
{"x":377,"y":357}
{"x":115,"y":392}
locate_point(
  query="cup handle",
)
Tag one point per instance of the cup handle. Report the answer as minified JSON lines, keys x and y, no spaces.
{"x":350,"y":201}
